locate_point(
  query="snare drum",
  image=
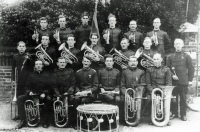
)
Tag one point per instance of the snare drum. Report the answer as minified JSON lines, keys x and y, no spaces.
{"x":98,"y":117}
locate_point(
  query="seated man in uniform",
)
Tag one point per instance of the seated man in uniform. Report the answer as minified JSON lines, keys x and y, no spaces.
{"x":156,"y":77}
{"x":132,"y":77}
{"x":86,"y":83}
{"x":109,"y":80}
{"x":42,"y":84}
{"x":65,"y":80}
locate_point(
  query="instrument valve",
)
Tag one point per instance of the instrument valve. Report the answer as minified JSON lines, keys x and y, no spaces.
{"x":89,"y":120}
{"x":111,"y":121}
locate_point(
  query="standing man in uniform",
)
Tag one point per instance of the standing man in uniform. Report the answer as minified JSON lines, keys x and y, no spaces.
{"x":112,"y":35}
{"x":82,"y":32}
{"x":135,"y":37}
{"x":21,"y":67}
{"x":160,"y":38}
{"x":182,"y":69}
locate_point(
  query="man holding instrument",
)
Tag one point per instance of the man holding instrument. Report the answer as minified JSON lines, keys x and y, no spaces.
{"x":182,"y":69}
{"x":39,"y":83}
{"x":109,"y":82}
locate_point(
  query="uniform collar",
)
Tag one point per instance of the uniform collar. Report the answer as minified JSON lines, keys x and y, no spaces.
{"x":86,"y":69}
{"x":109,"y":69}
{"x":156,"y":30}
{"x":124,"y":50}
{"x":22,"y":53}
{"x":133,"y":31}
{"x":132,"y":68}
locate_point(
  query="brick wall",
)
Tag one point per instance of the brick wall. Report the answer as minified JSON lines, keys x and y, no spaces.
{"x":5,"y":83}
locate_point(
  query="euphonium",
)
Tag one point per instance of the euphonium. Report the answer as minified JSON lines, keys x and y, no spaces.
{"x":61,"y":112}
{"x":148,"y":60}
{"x":32,"y":110}
{"x":133,"y":102}
{"x":67,"y":54}
{"x":88,"y":50}
{"x":160,"y":109}
{"x":42,"y":52}
{"x":119,"y":58}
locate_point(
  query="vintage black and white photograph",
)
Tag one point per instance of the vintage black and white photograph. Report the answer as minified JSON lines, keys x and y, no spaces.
{"x":99,"y":65}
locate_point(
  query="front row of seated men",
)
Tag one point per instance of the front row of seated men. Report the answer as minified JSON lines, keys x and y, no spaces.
{"x":108,"y":85}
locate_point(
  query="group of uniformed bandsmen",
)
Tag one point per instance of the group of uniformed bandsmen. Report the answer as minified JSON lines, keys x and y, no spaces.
{"x":93,"y":73}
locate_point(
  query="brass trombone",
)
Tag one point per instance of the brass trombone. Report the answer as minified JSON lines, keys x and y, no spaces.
{"x":88,"y":50}
{"x":14,"y":99}
{"x":42,"y":55}
{"x":69,"y":57}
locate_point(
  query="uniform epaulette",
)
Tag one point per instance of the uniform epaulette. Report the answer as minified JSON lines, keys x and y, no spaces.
{"x":93,"y":70}
{"x":79,"y":70}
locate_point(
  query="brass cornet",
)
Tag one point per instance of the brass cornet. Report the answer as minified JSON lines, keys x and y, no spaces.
{"x":108,"y":37}
{"x":88,"y":50}
{"x":42,"y":55}
{"x":69,"y":57}
{"x":119,"y":58}
{"x":14,"y":100}
{"x":58,"y":37}
{"x":155,"y":38}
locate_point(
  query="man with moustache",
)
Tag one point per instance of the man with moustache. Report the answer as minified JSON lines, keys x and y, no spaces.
{"x":109,"y":82}
{"x":86,"y":83}
{"x":182,"y":69}
{"x":135,"y":37}
{"x":159,"y":37}
{"x":41,"y":83}
{"x":112,"y":35}
{"x":132,"y":77}
{"x":82,"y":32}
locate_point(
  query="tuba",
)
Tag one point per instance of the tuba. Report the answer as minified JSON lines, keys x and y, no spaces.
{"x":61,"y":111}
{"x":42,"y":55}
{"x":32,"y":110}
{"x":133,"y":102}
{"x":160,"y":109}
{"x":146,"y":60}
{"x":119,"y":58}
{"x":88,"y":50}
{"x":69,"y":57}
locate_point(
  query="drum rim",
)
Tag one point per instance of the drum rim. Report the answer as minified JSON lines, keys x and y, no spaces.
{"x":115,"y":109}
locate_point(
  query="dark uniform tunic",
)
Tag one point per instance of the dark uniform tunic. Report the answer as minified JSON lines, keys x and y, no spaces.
{"x":63,"y":34}
{"x":86,"y":79}
{"x":109,"y":80}
{"x":184,"y":69}
{"x":158,"y":76}
{"x":134,"y":43}
{"x":163,"y":40}
{"x":24,"y":66}
{"x":38,"y":83}
{"x":114,"y":39}
{"x":82,"y":34}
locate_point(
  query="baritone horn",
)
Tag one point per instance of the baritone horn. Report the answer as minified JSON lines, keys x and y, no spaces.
{"x":42,"y":55}
{"x":69,"y":57}
{"x":119,"y":58}
{"x":146,"y":61}
{"x":133,"y":102}
{"x":32,"y":109}
{"x":160,"y":109}
{"x":88,"y":50}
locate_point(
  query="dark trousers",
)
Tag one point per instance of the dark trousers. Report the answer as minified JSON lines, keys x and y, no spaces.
{"x":46,"y":109}
{"x":182,"y":91}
